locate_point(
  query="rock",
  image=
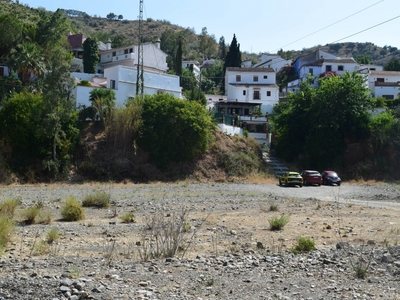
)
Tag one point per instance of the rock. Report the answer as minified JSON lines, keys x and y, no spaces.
{"x":342,"y":245}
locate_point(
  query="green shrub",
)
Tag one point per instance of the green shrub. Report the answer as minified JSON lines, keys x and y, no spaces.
{"x":52,"y":235}
{"x":41,"y":248}
{"x":98,"y":199}
{"x":44,"y":217}
{"x":277,"y":223}
{"x":174,"y":130}
{"x":239,"y":163}
{"x":128,"y":217}
{"x":30,"y":214}
{"x":6,"y":229}
{"x":273,"y":207}
{"x":72,"y":210}
{"x":8,"y":206}
{"x":304,"y":244}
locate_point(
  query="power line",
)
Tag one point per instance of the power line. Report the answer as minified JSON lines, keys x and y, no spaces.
{"x":334,"y":23}
{"x":366,"y":29}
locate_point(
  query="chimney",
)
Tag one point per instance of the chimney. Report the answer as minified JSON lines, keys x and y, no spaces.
{"x":108,"y":45}
{"x":158,"y":44}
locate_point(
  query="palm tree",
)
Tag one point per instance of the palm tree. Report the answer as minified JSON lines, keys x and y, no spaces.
{"x":27,"y":61}
{"x":103,"y":100}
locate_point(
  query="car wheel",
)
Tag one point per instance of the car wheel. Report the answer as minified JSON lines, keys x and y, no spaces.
{"x":301,"y":185}
{"x":280,"y":182}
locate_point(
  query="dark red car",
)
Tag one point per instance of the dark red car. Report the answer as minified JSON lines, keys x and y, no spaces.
{"x":331,"y":178}
{"x":311,"y":177}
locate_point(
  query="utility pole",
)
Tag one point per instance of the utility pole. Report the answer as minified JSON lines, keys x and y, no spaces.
{"x":139,"y":78}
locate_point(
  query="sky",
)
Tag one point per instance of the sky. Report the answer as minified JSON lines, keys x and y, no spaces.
{"x":261,"y":25}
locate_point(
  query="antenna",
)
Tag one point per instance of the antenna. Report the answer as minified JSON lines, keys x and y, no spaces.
{"x":139,"y":78}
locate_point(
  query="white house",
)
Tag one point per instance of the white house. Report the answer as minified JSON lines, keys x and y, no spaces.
{"x":154,"y":59}
{"x":192,"y":65}
{"x":384,"y":84}
{"x":250,"y":87}
{"x":123,"y":80}
{"x":319,"y":64}
{"x":272,"y":61}
{"x":212,"y":100}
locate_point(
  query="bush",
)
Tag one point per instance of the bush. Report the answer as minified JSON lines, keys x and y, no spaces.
{"x":52,"y":235}
{"x":128,"y":217}
{"x":273,"y":207}
{"x":29,"y":214}
{"x":72,"y":210}
{"x":304,"y":244}
{"x":98,"y":199}
{"x":8,"y":206}
{"x":174,"y":130}
{"x":6,"y":229}
{"x":277,"y":223}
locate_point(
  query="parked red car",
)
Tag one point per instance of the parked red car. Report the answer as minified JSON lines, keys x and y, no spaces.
{"x":331,"y":178}
{"x":311,"y":177}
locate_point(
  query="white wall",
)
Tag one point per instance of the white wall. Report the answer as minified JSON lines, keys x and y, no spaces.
{"x":153,"y":57}
{"x":243,"y":90}
{"x":82,"y":95}
{"x":125,"y":83}
{"x":230,"y":130}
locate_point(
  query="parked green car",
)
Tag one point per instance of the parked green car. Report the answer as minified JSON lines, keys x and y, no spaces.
{"x":291,"y":179}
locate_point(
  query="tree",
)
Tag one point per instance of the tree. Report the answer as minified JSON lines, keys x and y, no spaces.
{"x":174,"y":130}
{"x":234,"y":56}
{"x":315,"y":125}
{"x":207,"y":44}
{"x":27,"y":60}
{"x":111,"y":16}
{"x":11,"y":33}
{"x":22,"y":129}
{"x":363,"y":59}
{"x":120,"y":17}
{"x":178,"y":59}
{"x":393,"y":65}
{"x":222,"y":48}
{"x":104,"y":102}
{"x":90,"y":55}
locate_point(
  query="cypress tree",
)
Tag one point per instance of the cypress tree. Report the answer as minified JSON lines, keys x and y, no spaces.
{"x":234,"y":56}
{"x":178,"y":58}
{"x":90,"y":55}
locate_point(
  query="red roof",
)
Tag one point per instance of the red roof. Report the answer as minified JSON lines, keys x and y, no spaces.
{"x":76,"y":40}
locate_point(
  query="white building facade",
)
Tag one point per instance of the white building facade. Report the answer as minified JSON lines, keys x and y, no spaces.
{"x":122,"y":79}
{"x":384,"y":84}
{"x":153,"y":57}
{"x":255,"y":86}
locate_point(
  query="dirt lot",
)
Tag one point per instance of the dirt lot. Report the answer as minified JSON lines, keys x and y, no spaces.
{"x":222,"y":220}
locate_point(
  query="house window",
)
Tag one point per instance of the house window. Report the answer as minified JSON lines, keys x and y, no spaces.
{"x":114,"y":53}
{"x":265,"y":76}
{"x":328,"y":68}
{"x":130,"y":50}
{"x":380,"y":80}
{"x":244,"y":92}
{"x":268,"y":93}
{"x":311,"y":71}
{"x":238,"y":78}
{"x":255,"y":78}
{"x":112,"y":84}
{"x":340,"y":68}
{"x":126,"y":51}
{"x":389,"y":97}
{"x":256,"y":95}
{"x":246,"y":112}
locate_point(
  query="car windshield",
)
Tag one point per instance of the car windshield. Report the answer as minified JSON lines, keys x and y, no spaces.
{"x":313,"y":173}
{"x":332,"y":174}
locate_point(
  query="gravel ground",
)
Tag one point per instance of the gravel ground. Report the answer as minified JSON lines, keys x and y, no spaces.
{"x":230,"y":254}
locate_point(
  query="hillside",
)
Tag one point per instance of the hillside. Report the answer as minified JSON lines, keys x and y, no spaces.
{"x":196,"y":46}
